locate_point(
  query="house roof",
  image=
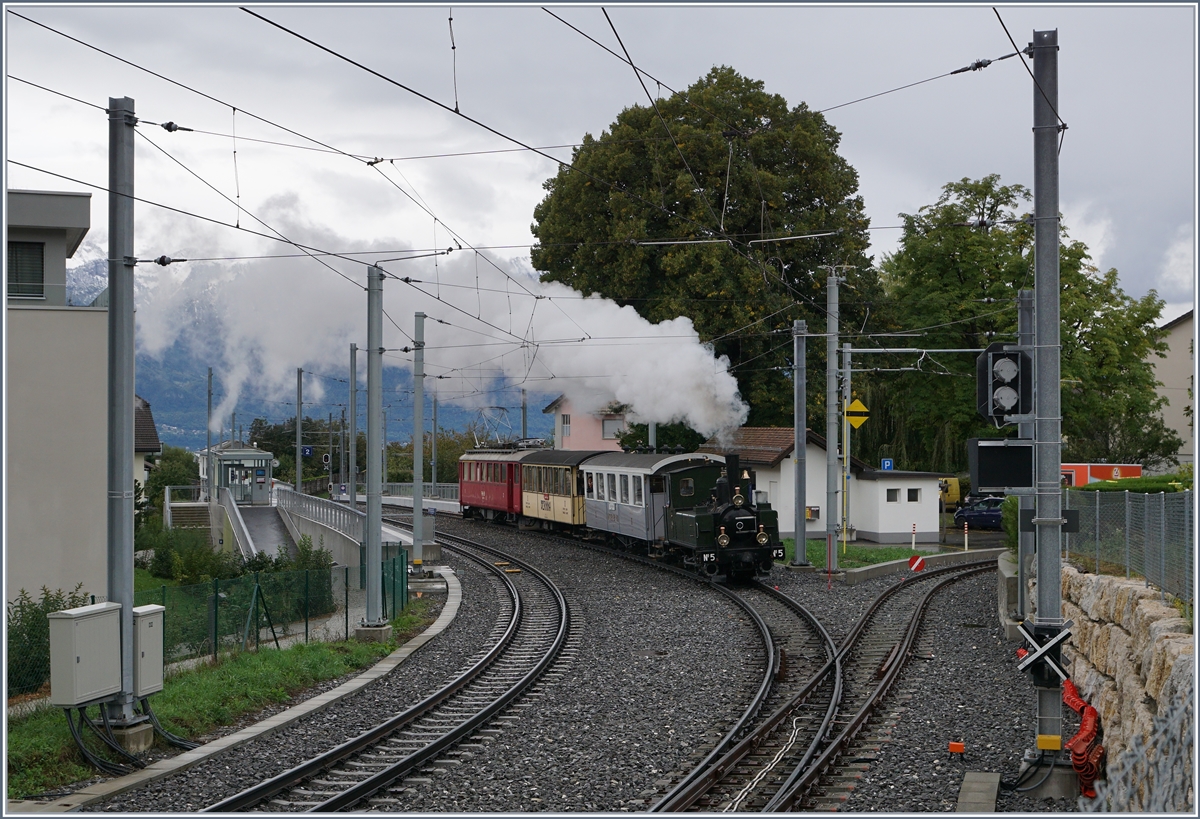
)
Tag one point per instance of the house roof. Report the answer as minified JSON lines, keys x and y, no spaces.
{"x":553,"y":405}
{"x":1175,"y":322}
{"x":145,"y":435}
{"x":766,"y":446}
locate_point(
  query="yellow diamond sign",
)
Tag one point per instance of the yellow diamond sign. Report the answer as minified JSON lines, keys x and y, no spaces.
{"x":856,"y":413}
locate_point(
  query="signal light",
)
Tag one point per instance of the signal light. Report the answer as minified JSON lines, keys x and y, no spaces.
{"x":1003,"y":383}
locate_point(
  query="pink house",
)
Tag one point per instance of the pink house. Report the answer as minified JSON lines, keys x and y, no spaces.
{"x":586,"y":430}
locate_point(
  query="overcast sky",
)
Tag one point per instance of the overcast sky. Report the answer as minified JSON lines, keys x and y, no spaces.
{"x":1127,"y":93}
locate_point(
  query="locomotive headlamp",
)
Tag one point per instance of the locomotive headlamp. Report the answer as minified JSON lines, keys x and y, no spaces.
{"x":722,"y":539}
{"x":738,"y":500}
{"x":762,"y":537}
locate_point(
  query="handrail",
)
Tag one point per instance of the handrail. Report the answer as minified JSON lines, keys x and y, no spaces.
{"x":443,"y":491}
{"x":337,"y":516}
{"x":240,"y":534}
{"x":167,"y":507}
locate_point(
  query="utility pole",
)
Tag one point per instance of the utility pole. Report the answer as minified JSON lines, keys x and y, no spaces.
{"x":418,"y":435}
{"x":1048,"y":517}
{"x":232,"y":427}
{"x":342,"y":449}
{"x":299,"y":421}
{"x":1025,"y":540}
{"x":121,"y":260}
{"x":524,"y":416}
{"x":831,"y":415}
{"x":800,"y":438}
{"x":331,"y":453}
{"x":354,"y":426}
{"x":374,"y":626}
{"x":433,"y":448}
{"x":208,"y":459}
{"x":846,"y":399}
{"x":383,"y":453}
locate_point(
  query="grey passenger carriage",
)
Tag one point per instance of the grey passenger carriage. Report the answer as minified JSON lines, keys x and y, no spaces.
{"x":625,"y":495}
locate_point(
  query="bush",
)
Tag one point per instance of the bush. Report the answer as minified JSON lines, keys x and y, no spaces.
{"x":29,"y":636}
{"x":1009,"y":520}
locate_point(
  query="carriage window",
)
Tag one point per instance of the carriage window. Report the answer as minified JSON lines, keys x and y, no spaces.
{"x":599,"y":486}
{"x":612,"y":487}
{"x":637,"y":490}
{"x":591,"y":489}
{"x":624,"y":489}
{"x":687,"y":487}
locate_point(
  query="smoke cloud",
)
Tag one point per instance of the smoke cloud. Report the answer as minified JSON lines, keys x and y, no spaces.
{"x":491,"y":325}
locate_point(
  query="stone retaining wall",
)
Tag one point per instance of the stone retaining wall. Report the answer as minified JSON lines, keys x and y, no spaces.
{"x":1130,"y":654}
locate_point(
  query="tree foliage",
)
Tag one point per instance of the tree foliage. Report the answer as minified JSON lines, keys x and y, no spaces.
{"x":956,"y":286}
{"x":175,"y":466}
{"x":739,"y":165}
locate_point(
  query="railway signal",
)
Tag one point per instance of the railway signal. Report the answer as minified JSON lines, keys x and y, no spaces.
{"x":1003,"y":383}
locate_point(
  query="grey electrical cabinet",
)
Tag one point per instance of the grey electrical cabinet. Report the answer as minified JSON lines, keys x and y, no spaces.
{"x":85,"y":654}
{"x":147,"y":650}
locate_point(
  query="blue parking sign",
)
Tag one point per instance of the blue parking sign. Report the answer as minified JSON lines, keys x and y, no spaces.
{"x":306,"y":451}
{"x":887,"y":464}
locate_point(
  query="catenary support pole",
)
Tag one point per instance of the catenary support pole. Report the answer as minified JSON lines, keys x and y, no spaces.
{"x":1025,"y":540}
{"x":372,"y":531}
{"x":121,"y":261}
{"x":524,"y":415}
{"x":418,"y":434}
{"x":831,"y":417}
{"x":1048,"y":517}
{"x":353,"y":425}
{"x":800,"y":438}
{"x":299,"y":432}
{"x":331,"y":454}
{"x":847,"y":397}
{"x":208,"y":460}
{"x":433,"y":450}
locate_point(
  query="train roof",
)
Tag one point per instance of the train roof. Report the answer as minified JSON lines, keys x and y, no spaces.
{"x":560,"y":457}
{"x":651,"y":462}
{"x":494,"y":455}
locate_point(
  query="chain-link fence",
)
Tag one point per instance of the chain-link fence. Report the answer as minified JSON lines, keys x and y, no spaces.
{"x":265,"y":608}
{"x":1148,"y":536}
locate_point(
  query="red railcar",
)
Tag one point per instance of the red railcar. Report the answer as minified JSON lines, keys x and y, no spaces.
{"x":489,"y":483}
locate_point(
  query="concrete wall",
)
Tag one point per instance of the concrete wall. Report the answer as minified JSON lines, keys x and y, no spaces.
{"x":56,"y":495}
{"x":344,"y":549}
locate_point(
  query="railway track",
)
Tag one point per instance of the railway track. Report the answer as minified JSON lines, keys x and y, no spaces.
{"x":778,"y":764}
{"x":529,"y":637}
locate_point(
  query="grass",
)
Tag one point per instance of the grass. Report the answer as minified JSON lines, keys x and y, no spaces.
{"x":143,"y":580}
{"x":854,"y":556}
{"x":42,"y":755}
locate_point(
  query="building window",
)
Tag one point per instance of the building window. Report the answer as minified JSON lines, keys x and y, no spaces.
{"x":914,"y":496}
{"x":27,"y":269}
{"x":566,"y":425}
{"x":613,"y":427}
{"x":893,"y":496}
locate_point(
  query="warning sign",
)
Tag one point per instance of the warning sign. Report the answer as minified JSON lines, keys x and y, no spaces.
{"x":916,"y":563}
{"x":856,"y":413}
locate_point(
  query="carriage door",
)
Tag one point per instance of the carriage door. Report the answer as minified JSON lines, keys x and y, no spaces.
{"x":656,"y":499}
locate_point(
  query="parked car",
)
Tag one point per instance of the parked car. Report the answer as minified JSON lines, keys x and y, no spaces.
{"x":983,"y":514}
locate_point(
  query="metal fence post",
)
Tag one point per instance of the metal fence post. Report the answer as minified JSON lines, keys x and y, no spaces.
{"x":1126,"y":534}
{"x":1146,"y":536}
{"x":346,"y":598}
{"x":1162,"y":546}
{"x":258,"y":589}
{"x":1097,"y":500}
{"x":306,"y":605}
{"x":216,"y":598}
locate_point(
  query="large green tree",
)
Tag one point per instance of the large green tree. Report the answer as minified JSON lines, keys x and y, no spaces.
{"x":723,"y":169}
{"x":953,"y":282}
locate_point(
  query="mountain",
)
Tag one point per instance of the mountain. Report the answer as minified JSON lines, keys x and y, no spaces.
{"x":175,"y":382}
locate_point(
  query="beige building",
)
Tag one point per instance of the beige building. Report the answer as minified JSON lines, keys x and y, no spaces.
{"x":56,"y":397}
{"x":1176,"y":372}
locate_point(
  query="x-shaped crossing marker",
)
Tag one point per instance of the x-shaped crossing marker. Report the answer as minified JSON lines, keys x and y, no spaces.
{"x":1041,"y":650}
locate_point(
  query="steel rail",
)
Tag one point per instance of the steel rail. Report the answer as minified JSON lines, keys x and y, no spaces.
{"x":803,"y":778}
{"x":296,"y":775}
{"x":712,"y":769}
{"x":381,"y":780}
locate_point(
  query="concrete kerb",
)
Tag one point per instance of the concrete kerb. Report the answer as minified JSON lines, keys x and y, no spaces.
{"x":166,"y":767}
{"x":853,"y":576}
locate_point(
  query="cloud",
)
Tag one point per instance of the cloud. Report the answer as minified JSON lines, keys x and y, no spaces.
{"x":1094,"y":229}
{"x":1177,"y":275}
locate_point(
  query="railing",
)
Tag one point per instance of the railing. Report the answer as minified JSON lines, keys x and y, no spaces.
{"x":443,"y":491}
{"x":337,"y":516}
{"x":244,"y":542}
{"x":1145,"y":535}
{"x":178,"y":494}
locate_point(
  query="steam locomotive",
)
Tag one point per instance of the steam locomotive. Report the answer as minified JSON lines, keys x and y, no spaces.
{"x":695,"y":509}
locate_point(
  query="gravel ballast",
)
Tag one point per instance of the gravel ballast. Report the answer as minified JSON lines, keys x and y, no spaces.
{"x":661,"y":662}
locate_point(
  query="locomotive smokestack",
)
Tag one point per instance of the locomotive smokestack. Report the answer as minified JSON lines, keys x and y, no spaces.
{"x":734,"y":471}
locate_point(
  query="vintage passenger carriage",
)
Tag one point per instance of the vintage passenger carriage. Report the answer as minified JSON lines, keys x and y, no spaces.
{"x":490,"y":484}
{"x":552,"y":490}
